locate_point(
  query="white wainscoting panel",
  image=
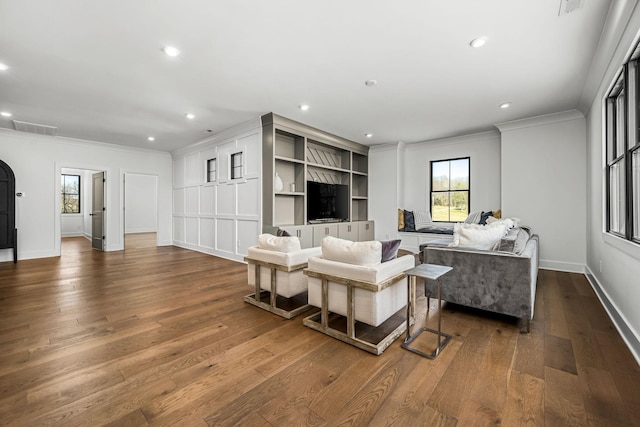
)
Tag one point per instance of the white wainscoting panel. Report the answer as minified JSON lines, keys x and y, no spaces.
{"x":192,"y":200}
{"x":225,"y":233}
{"x":248,"y":231}
{"x":178,"y":201}
{"x":226,"y":199}
{"x":208,"y":233}
{"x":178,"y":229}
{"x":191,"y":236}
{"x":248,"y":197}
{"x":222,"y":217}
{"x":207,"y":199}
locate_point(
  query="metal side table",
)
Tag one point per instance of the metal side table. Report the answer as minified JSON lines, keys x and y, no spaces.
{"x":427,"y":272}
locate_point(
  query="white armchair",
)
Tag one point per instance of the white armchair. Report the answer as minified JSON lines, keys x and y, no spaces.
{"x":350,"y":283}
{"x":274,"y":269}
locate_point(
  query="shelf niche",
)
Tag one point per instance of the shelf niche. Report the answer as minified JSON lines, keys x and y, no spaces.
{"x":299,"y":153}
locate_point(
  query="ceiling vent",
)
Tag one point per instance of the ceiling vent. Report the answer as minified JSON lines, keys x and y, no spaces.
{"x":35,"y":128}
{"x":568,"y":6}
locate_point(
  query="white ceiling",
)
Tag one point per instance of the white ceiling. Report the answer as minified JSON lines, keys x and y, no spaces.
{"x":95,"y":69}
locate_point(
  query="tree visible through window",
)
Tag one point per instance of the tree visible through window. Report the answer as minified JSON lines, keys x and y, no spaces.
{"x":450,"y":190}
{"x":70,"y":193}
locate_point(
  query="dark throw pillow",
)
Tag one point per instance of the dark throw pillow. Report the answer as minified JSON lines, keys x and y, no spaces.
{"x":390,"y":249}
{"x":282,"y":233}
{"x":409,"y":221}
{"x":484,"y":216}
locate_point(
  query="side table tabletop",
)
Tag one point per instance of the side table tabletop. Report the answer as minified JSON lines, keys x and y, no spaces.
{"x":427,"y":272}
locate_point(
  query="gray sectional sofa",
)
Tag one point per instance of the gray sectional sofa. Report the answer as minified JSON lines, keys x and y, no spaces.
{"x":502,"y":280}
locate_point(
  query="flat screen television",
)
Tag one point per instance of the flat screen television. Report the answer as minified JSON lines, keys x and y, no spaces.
{"x":327,"y":202}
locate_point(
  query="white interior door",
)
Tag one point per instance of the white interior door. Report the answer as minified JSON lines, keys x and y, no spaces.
{"x":97,"y":211}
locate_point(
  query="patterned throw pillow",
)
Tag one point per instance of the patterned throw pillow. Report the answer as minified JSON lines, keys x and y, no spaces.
{"x":422,"y":219}
{"x":473,"y":218}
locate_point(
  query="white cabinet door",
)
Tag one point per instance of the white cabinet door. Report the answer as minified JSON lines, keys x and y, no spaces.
{"x":348,"y":231}
{"x":320,"y":231}
{"x":366,"y":231}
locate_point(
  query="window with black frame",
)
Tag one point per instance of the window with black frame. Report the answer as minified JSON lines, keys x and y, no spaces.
{"x":236,"y":165}
{"x":70,"y":189}
{"x":450,"y":190}
{"x":623,"y":153}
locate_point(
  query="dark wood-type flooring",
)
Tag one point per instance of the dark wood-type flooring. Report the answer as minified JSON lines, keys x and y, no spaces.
{"x":161,"y":336}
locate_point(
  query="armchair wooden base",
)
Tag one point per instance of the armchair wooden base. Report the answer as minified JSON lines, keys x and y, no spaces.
{"x":345,"y":328}
{"x":270,"y":300}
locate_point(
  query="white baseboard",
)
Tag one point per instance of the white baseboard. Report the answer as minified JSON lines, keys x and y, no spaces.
{"x":628,"y":335}
{"x":141,"y":230}
{"x":221,"y":254}
{"x":568,"y":267}
{"x":8,"y":256}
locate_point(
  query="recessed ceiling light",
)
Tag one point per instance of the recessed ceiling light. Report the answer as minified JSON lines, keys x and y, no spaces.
{"x":368,"y":135}
{"x":479,"y":42}
{"x":304,"y":107}
{"x":151,"y":139}
{"x":190,"y":116}
{"x":5,"y":114}
{"x":505,"y":105}
{"x":371,"y":82}
{"x":171,"y":51}
{"x":3,"y":67}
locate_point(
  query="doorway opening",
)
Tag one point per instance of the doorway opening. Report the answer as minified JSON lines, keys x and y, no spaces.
{"x":82,"y":210}
{"x":140,"y":205}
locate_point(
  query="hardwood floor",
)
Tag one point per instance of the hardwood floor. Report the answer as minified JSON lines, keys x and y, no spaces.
{"x":161,"y":336}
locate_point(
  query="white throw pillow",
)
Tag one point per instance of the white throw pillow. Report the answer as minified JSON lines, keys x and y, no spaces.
{"x":477,"y":236}
{"x":358,"y":253}
{"x":473,"y":218}
{"x":422,"y":219}
{"x":279,"y":243}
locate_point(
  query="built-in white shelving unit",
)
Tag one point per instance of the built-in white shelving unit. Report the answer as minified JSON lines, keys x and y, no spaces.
{"x":298,"y":153}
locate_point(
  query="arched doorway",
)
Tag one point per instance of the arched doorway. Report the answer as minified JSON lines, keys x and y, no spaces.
{"x":8,"y":231}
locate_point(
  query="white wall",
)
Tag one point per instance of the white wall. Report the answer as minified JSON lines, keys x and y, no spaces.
{"x":543,"y":183}
{"x":140,"y":203}
{"x":37,"y":161}
{"x":74,"y":224}
{"x":614,"y":263}
{"x":221,"y":218}
{"x":384,"y":188}
{"x":483,"y":149}
{"x":400,"y":173}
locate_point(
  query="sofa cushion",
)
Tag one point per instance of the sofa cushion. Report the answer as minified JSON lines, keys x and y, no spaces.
{"x":400,"y":219}
{"x":358,"y":253}
{"x":278,"y":243}
{"x":390,"y":249}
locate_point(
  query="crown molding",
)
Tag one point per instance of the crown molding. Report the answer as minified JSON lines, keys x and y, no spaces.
{"x":545,"y":119}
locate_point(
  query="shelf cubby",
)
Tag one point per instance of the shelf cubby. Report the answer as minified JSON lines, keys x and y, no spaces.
{"x":298,"y":153}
